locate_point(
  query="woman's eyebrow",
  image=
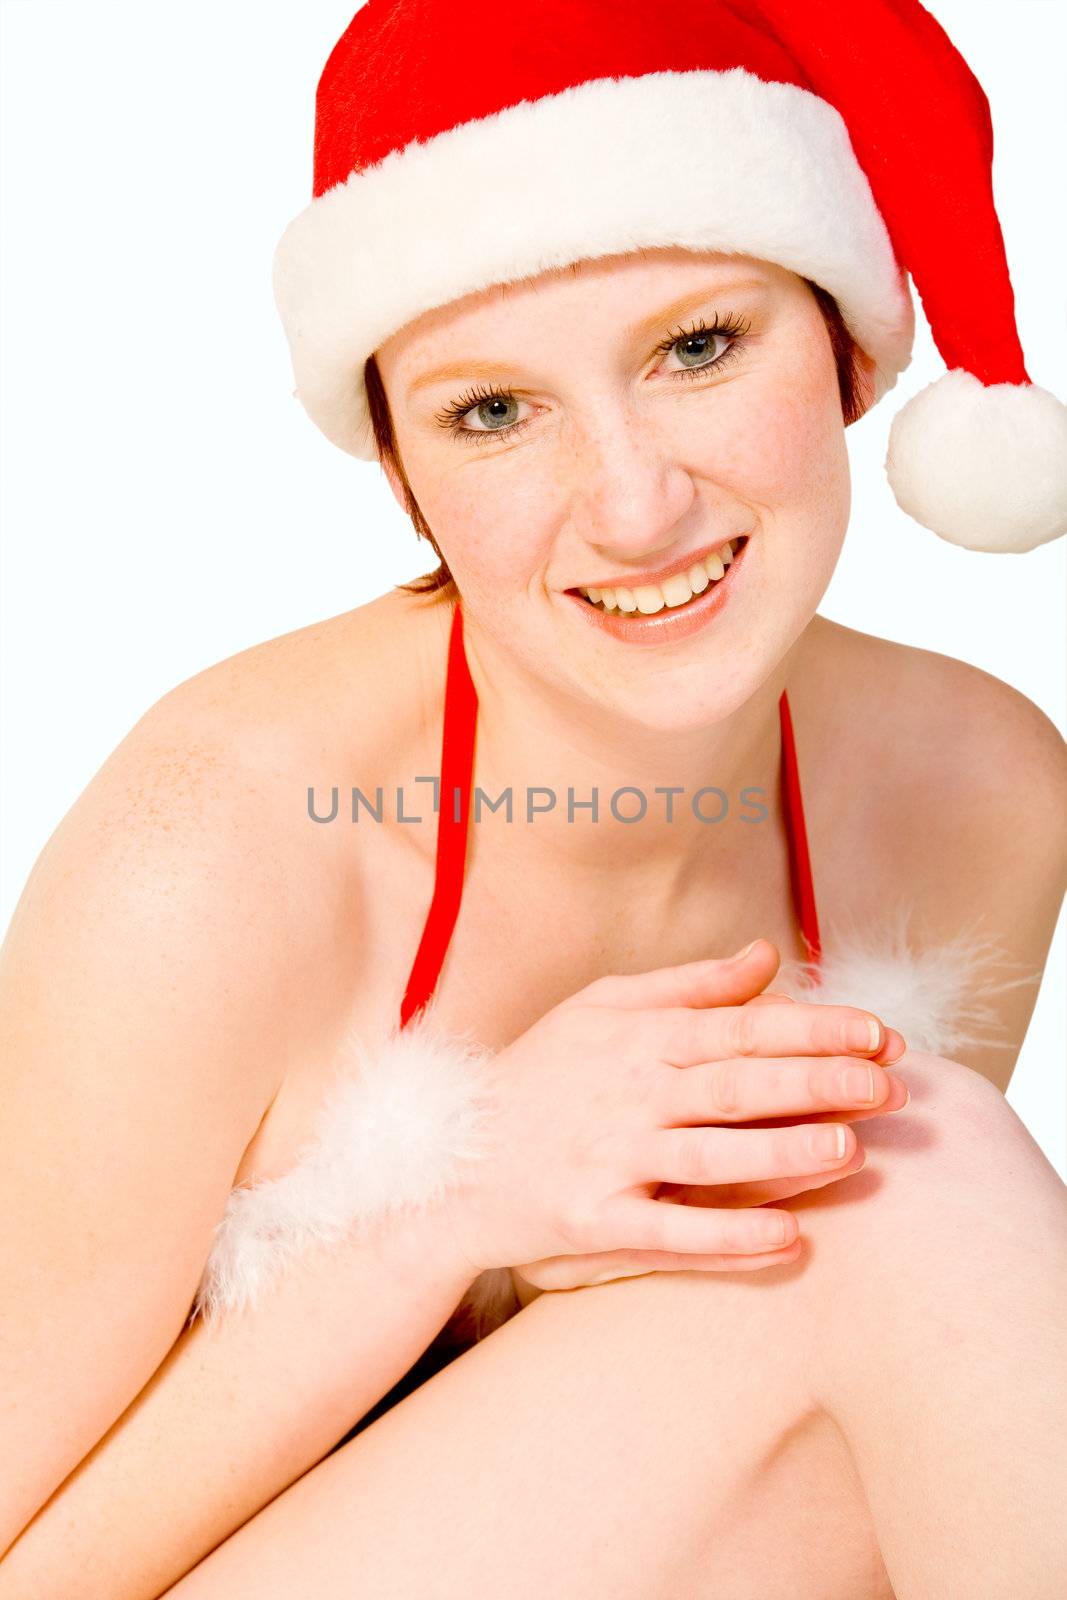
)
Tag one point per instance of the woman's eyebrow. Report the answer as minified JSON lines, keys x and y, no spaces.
{"x":690,"y":302}
{"x":456,"y":371}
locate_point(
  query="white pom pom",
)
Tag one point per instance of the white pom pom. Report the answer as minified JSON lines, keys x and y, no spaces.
{"x":982,"y":467}
{"x":390,"y":1138}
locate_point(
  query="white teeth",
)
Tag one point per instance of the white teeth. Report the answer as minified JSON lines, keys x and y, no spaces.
{"x":648,"y":598}
{"x":677,"y":590}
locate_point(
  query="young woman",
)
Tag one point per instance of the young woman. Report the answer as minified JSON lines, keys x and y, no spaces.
{"x":366,"y":1095}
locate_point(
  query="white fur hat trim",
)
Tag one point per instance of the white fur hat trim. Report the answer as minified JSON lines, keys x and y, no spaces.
{"x":716,"y":161}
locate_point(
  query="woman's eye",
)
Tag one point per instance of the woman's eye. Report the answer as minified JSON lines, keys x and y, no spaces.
{"x":492,"y":415}
{"x":703,"y":347}
{"x":698,"y":349}
{"x":481,"y":415}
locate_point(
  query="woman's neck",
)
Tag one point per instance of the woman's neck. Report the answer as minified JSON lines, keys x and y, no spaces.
{"x":700,"y":796}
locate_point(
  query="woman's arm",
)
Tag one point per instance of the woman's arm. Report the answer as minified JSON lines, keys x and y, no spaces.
{"x":133,"y":1089}
{"x":235,"y":1415}
{"x":1000,"y":790}
{"x":140,"y":987}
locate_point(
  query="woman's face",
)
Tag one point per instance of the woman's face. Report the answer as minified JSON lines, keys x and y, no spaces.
{"x":590,"y":425}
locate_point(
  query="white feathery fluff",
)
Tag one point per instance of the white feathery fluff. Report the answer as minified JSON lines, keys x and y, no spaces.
{"x":983,"y":466}
{"x":932,"y":995}
{"x":392,"y":1135}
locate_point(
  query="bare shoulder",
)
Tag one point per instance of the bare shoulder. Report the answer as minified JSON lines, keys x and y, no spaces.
{"x":946,"y":794}
{"x":938,"y":729}
{"x":357,"y":675}
{"x":320,"y":700}
{"x":195,"y":828}
{"x":256,"y":743}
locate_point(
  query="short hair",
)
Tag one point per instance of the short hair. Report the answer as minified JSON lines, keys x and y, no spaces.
{"x":852,"y":380}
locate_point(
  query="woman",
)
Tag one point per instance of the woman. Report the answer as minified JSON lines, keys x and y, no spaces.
{"x":749,"y":1382}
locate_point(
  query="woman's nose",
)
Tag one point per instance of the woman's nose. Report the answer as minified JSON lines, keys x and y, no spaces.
{"x":631,"y":494}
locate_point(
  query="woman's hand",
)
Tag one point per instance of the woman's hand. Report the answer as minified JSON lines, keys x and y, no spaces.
{"x":573,"y":1272}
{"x":659,"y":1079}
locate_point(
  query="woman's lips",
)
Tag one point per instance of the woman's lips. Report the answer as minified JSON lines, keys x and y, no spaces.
{"x":669,"y":624}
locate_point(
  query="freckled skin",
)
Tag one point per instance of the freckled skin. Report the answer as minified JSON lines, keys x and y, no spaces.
{"x":626,"y":464}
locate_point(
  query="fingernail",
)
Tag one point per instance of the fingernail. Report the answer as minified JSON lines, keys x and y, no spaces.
{"x":864,"y":1034}
{"x":741,"y":954}
{"x":828,"y":1144}
{"x":895,"y":1086}
{"x":857,"y":1084}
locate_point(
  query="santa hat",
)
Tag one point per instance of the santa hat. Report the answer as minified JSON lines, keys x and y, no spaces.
{"x":845,"y":140}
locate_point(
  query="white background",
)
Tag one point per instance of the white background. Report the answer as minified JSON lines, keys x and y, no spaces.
{"x":166,"y":503}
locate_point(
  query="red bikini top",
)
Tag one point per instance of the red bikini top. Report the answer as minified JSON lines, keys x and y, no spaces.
{"x":457,"y":765}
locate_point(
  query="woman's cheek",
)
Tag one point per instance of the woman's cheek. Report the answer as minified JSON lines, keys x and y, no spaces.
{"x":493,"y":533}
{"x":781,"y":444}
{"x":805,"y":486}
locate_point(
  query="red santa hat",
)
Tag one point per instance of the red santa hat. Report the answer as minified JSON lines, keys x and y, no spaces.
{"x":845,"y":140}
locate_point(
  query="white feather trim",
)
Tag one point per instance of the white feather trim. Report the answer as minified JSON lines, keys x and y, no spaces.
{"x":982,"y":466}
{"x":391,"y":1136}
{"x":936,"y":997}
{"x":705,"y":160}
{"x":932,"y":996}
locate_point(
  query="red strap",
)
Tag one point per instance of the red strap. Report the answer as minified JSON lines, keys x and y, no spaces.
{"x":457,"y":765}
{"x":799,"y":859}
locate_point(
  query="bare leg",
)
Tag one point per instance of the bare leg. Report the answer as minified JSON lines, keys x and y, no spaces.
{"x":691,"y":1435}
{"x":944,"y":1358}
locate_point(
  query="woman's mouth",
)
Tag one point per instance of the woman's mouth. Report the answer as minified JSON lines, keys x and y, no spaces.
{"x":657,"y":614}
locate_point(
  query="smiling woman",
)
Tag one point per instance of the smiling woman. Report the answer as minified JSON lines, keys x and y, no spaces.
{"x":625,"y":458}
{"x":331,"y":1158}
{"x":852,"y":379}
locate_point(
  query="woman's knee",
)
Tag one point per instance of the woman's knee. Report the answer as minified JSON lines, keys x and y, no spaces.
{"x":950,"y":1137}
{"x":897,"y":1229}
{"x":904,"y":1242}
{"x":927,"y":1174}
{"x":942,"y":1082}
{"x":894,"y":1227}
